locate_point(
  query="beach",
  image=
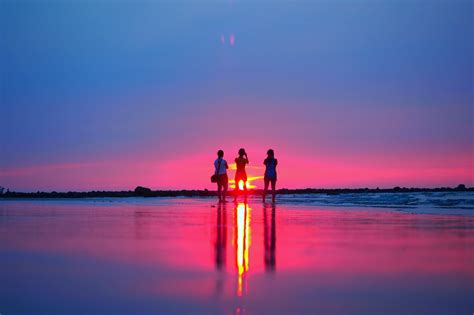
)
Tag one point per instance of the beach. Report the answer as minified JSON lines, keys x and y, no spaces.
{"x":364,"y":254}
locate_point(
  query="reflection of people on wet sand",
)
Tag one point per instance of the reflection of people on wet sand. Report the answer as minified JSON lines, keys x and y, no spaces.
{"x":241,"y":175}
{"x":220,"y":246}
{"x":221,"y":237}
{"x":270,"y":173}
{"x":269,"y":239}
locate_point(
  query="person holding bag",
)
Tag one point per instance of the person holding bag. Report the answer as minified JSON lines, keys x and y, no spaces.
{"x":220,"y":176}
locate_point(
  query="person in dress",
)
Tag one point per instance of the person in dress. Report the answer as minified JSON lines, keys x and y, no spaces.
{"x":241,"y":175}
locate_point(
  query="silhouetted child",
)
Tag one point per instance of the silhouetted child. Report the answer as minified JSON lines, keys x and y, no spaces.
{"x":270,"y":173}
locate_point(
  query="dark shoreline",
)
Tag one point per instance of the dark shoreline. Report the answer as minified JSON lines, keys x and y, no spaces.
{"x":209,"y":193}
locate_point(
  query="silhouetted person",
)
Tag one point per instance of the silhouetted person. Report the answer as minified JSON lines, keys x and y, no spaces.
{"x":221,"y":167}
{"x":270,"y":173}
{"x":269,"y":239}
{"x":241,"y":175}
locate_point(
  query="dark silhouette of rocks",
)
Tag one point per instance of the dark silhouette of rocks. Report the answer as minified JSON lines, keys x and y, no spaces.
{"x":143,"y":191}
{"x":147,"y":192}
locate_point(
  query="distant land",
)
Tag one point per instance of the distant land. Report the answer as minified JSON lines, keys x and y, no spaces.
{"x":147,"y":192}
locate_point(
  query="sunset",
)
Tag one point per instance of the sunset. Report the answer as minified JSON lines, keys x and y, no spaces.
{"x":236,"y":157}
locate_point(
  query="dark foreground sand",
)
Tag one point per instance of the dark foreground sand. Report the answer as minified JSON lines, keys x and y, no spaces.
{"x":191,"y":256}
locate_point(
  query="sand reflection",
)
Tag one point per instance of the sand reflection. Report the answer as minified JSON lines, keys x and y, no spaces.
{"x":269,"y":237}
{"x":220,"y":242}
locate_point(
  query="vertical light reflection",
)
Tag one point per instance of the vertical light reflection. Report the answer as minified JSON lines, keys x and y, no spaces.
{"x":242,"y":244}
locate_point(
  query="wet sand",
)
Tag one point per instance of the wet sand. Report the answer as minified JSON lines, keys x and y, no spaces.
{"x":192,"y":256}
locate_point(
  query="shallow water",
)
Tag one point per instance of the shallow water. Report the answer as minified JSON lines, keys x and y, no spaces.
{"x":191,"y":256}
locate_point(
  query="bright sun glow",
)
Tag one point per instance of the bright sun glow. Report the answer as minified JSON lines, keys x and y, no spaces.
{"x":248,"y":183}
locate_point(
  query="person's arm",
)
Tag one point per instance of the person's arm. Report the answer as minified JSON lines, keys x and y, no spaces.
{"x":246,"y":158}
{"x":265,"y":162}
{"x":276,"y":162}
{"x":226,"y":166}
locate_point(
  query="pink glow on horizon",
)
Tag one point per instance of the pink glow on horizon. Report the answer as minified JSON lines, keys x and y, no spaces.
{"x":326,"y":158}
{"x":193,"y":172}
{"x":318,"y":160}
{"x":34,"y":170}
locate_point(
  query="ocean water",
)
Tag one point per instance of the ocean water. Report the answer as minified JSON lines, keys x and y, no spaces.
{"x":343,"y":254}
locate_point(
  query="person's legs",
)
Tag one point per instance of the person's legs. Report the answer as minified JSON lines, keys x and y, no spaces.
{"x":266,"y":181}
{"x":273,"y":189}
{"x":236,"y":190}
{"x":225,"y":184}
{"x":245,"y":185}
{"x":219,"y":188}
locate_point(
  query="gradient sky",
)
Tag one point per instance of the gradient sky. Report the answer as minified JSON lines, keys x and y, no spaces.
{"x":110,"y":95}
